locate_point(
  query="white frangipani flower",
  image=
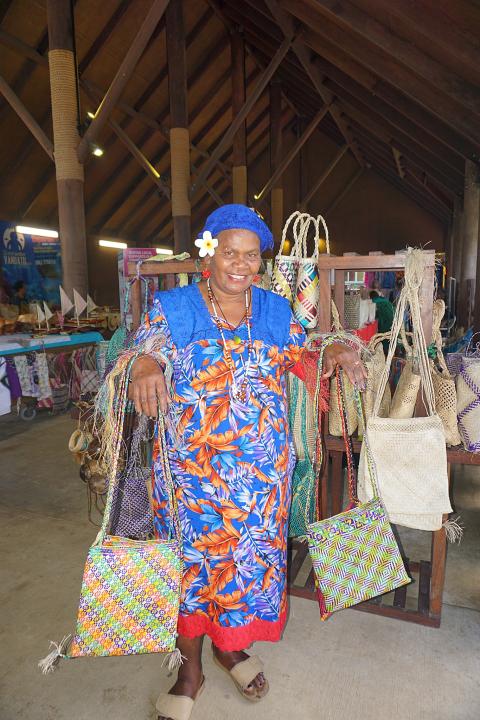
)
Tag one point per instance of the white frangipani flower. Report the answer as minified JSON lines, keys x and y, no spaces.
{"x":207,"y":244}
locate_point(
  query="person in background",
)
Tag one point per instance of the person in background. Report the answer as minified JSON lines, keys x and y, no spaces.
{"x":20,"y":297}
{"x":384,"y":311}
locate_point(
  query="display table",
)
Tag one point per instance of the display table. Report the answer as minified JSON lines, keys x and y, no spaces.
{"x":65,"y":343}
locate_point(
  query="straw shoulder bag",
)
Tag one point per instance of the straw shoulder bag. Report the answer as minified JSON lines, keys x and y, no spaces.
{"x":130,"y":594}
{"x":354,"y":554}
{"x":409,"y":455}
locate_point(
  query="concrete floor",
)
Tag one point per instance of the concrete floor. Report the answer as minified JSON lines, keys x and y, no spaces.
{"x":355,"y":665}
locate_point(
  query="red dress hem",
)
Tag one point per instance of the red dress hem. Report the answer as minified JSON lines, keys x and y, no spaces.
{"x":230,"y":639}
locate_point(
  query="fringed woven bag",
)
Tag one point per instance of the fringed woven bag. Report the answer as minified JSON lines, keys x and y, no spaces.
{"x":131,"y":589}
{"x":409,"y":455}
{"x":354,"y":554}
{"x":284,"y":274}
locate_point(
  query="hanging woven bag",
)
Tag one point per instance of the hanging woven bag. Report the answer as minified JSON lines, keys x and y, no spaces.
{"x":443,"y":383}
{"x":406,"y":392}
{"x":354,"y":554}
{"x":409,"y":455}
{"x":334,"y":413}
{"x":302,"y":425}
{"x":305,"y":304}
{"x":130,"y":594}
{"x":284,"y":273}
{"x":468,"y":399}
{"x":375,"y":365}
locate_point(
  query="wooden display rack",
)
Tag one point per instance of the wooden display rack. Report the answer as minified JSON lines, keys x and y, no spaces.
{"x":429,"y":574}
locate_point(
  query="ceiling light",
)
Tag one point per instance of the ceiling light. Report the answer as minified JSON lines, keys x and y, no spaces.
{"x":113,"y":244}
{"x":97,"y":151}
{"x":36,"y":231}
{"x":90,"y":115}
{"x":164,"y":251}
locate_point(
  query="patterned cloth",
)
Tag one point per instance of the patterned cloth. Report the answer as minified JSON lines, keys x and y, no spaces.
{"x":232,"y":464}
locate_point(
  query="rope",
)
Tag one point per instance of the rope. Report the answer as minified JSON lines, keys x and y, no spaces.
{"x":180,"y":170}
{"x":64,"y":115}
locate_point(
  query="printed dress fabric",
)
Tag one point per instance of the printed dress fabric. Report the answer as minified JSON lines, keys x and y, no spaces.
{"x":232,"y":464}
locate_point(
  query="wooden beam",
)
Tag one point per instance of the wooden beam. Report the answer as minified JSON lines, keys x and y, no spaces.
{"x":103,"y":36}
{"x":399,"y":109}
{"x":122,"y":76}
{"x":286,"y":24}
{"x":316,"y":186}
{"x":26,"y":117}
{"x":18,"y":46}
{"x":140,"y":157}
{"x":471,"y":208}
{"x":383,"y":66}
{"x":344,"y":192}
{"x":239,"y":143}
{"x":346,"y":14}
{"x":250,"y":102}
{"x":426,"y":19}
{"x":260,"y":197}
{"x":397,"y":157}
{"x":179,"y":133}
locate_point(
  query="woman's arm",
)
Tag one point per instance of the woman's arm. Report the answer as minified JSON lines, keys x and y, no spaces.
{"x":148,"y":388}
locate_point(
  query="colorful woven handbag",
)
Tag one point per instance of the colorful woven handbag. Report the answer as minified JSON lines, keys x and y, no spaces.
{"x":355,"y":555}
{"x":131,"y":589}
{"x":284,"y":274}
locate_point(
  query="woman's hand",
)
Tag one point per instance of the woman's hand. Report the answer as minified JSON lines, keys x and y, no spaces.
{"x":349,"y":360}
{"x":147,"y":388}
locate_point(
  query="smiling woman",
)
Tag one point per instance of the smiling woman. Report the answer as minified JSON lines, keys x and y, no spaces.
{"x":230,"y":344}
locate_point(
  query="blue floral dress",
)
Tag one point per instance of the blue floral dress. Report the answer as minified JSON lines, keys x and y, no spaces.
{"x":232,"y":464}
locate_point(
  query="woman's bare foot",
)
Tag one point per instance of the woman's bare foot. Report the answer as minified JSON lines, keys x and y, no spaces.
{"x":230,"y":659}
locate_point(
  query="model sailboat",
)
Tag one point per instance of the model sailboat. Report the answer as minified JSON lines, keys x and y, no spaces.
{"x":80,"y":305}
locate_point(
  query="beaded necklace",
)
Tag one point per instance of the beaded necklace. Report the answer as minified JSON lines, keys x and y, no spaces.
{"x":238,"y":393}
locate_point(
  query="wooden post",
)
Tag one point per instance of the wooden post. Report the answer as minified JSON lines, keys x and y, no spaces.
{"x":276,"y":158}
{"x":476,"y":307}
{"x":179,"y":134}
{"x":471,"y":201}
{"x":239,"y":170}
{"x":69,"y":171}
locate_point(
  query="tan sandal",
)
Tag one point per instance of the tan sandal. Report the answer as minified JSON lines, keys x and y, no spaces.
{"x":243,"y":674}
{"x":177,"y":707}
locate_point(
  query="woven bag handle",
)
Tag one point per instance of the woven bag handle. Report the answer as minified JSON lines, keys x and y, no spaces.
{"x":300,"y":232}
{"x":409,"y":297}
{"x":294,"y":215}
{"x":119,"y":411}
{"x":321,"y":219}
{"x":351,"y":476}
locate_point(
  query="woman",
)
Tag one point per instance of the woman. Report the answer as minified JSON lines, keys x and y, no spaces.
{"x":231,"y":345}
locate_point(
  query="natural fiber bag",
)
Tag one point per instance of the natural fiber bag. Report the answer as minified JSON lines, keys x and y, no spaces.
{"x":284,"y":273}
{"x":334,"y":416}
{"x":130,"y":593}
{"x":354,"y":554}
{"x":375,"y":365}
{"x":406,"y":392}
{"x":408,"y":455}
{"x":468,"y":403}
{"x":443,"y":383}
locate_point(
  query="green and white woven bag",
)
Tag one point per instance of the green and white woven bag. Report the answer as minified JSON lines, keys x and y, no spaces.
{"x":354,"y":554}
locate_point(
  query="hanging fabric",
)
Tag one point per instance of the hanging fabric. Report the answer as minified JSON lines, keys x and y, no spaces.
{"x":409,"y":455}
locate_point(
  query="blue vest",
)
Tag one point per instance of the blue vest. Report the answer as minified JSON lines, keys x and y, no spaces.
{"x":189,"y":319}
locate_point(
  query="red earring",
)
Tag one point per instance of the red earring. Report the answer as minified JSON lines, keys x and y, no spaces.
{"x":206,"y":273}
{"x":257,"y":278}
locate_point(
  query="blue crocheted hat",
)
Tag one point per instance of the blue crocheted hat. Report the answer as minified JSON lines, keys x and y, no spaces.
{"x":239,"y":217}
